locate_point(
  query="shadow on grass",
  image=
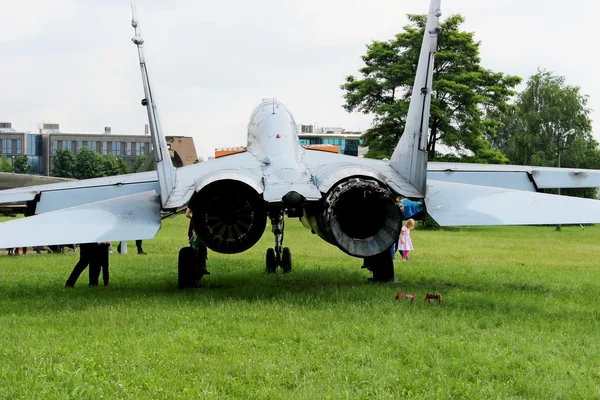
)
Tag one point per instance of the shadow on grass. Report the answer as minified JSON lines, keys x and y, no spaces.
{"x":314,"y":288}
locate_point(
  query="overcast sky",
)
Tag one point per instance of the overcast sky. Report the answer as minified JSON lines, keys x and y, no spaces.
{"x":210,"y":62}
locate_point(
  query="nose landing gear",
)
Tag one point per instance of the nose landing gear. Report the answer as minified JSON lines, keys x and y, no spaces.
{"x":278,"y":256}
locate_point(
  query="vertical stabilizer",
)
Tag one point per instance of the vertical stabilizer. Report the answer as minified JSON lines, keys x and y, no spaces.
{"x":410,"y":156}
{"x":164,"y":166}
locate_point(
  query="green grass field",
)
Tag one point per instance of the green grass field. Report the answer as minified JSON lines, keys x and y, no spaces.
{"x":520,"y":319}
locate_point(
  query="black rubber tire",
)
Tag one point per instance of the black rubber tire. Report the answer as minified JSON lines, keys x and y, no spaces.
{"x":185,"y":267}
{"x":286,"y":260}
{"x":382,"y":266}
{"x":271,"y":261}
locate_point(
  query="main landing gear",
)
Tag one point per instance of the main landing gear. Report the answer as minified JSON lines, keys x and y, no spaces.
{"x":191,"y":266}
{"x":381,"y":265}
{"x":278,"y":256}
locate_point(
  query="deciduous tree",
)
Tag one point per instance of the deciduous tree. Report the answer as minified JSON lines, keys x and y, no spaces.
{"x":21,"y":165}
{"x":466,"y":100}
{"x":63,"y":164}
{"x":88,"y":164}
{"x":114,"y":165}
{"x":5,"y":165}
{"x":139,"y":161}
{"x":552,"y":119}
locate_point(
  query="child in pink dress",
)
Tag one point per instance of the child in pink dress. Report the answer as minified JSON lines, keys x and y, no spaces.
{"x":405,"y":243}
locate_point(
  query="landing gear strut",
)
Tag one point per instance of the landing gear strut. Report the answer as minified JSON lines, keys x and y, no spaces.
{"x":278,"y":256}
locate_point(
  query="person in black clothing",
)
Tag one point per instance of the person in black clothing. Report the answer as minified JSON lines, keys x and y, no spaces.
{"x":138,"y":244}
{"x":100,"y":262}
{"x":87,"y":256}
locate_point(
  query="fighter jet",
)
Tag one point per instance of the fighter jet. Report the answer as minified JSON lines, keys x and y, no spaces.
{"x":347,"y":201}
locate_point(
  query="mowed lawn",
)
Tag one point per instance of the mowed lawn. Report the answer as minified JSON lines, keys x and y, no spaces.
{"x":520,"y":319}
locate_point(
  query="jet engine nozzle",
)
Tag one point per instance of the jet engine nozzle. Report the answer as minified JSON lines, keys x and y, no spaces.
{"x":362,"y":217}
{"x":229,"y":216}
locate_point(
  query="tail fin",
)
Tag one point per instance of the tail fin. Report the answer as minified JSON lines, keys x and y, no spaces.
{"x":164,"y":166}
{"x":410,"y":156}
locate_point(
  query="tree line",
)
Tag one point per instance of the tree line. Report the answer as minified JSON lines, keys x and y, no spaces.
{"x":20,"y":165}
{"x":90,"y":164}
{"x":475,"y":111}
{"x":85,"y":165}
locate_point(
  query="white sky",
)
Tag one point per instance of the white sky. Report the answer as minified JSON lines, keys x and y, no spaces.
{"x":211,"y":62}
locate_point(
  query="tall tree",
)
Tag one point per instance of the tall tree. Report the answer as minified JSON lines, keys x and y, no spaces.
{"x":550,"y":126}
{"x":123,"y":168}
{"x":88,"y":164}
{"x":466,"y":98}
{"x":5,"y":165}
{"x":63,"y":164}
{"x":114,"y":165}
{"x":139,"y":160}
{"x":21,"y":165}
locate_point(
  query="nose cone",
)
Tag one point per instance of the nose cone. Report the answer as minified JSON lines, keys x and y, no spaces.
{"x":292,"y":199}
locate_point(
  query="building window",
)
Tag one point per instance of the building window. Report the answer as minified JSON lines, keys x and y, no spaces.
{"x":139,"y":149}
{"x":6,"y":146}
{"x":79,"y":145}
{"x":36,"y":164}
{"x":34,"y":144}
{"x":68,"y":144}
{"x":104,"y":148}
{"x":128,"y":148}
{"x":92,"y":145}
{"x":19,"y":146}
{"x":116,"y":148}
{"x":54,"y":146}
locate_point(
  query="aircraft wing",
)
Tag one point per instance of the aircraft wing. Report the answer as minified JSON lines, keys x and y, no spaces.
{"x":243,"y":166}
{"x":9,"y":180}
{"x":130,"y":217}
{"x":57,"y":196}
{"x":473,"y":194}
{"x":519,"y":177}
{"x":115,"y":207}
{"x":459,"y":204}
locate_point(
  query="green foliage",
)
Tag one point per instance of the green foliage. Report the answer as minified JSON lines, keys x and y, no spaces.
{"x":114,"y":165}
{"x":537,"y":133}
{"x":515,"y":323}
{"x":139,"y":161}
{"x":122,"y":166}
{"x":63,"y":164}
{"x":467,"y":99}
{"x":21,"y":165}
{"x":5,"y":164}
{"x":88,"y":164}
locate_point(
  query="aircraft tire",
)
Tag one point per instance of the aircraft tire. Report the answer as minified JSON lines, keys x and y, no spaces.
{"x":271,"y":261}
{"x":185,"y":267}
{"x":286,"y":260}
{"x":382,"y":266}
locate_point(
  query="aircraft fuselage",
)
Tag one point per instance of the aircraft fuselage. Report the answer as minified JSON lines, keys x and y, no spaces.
{"x":273,"y":140}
